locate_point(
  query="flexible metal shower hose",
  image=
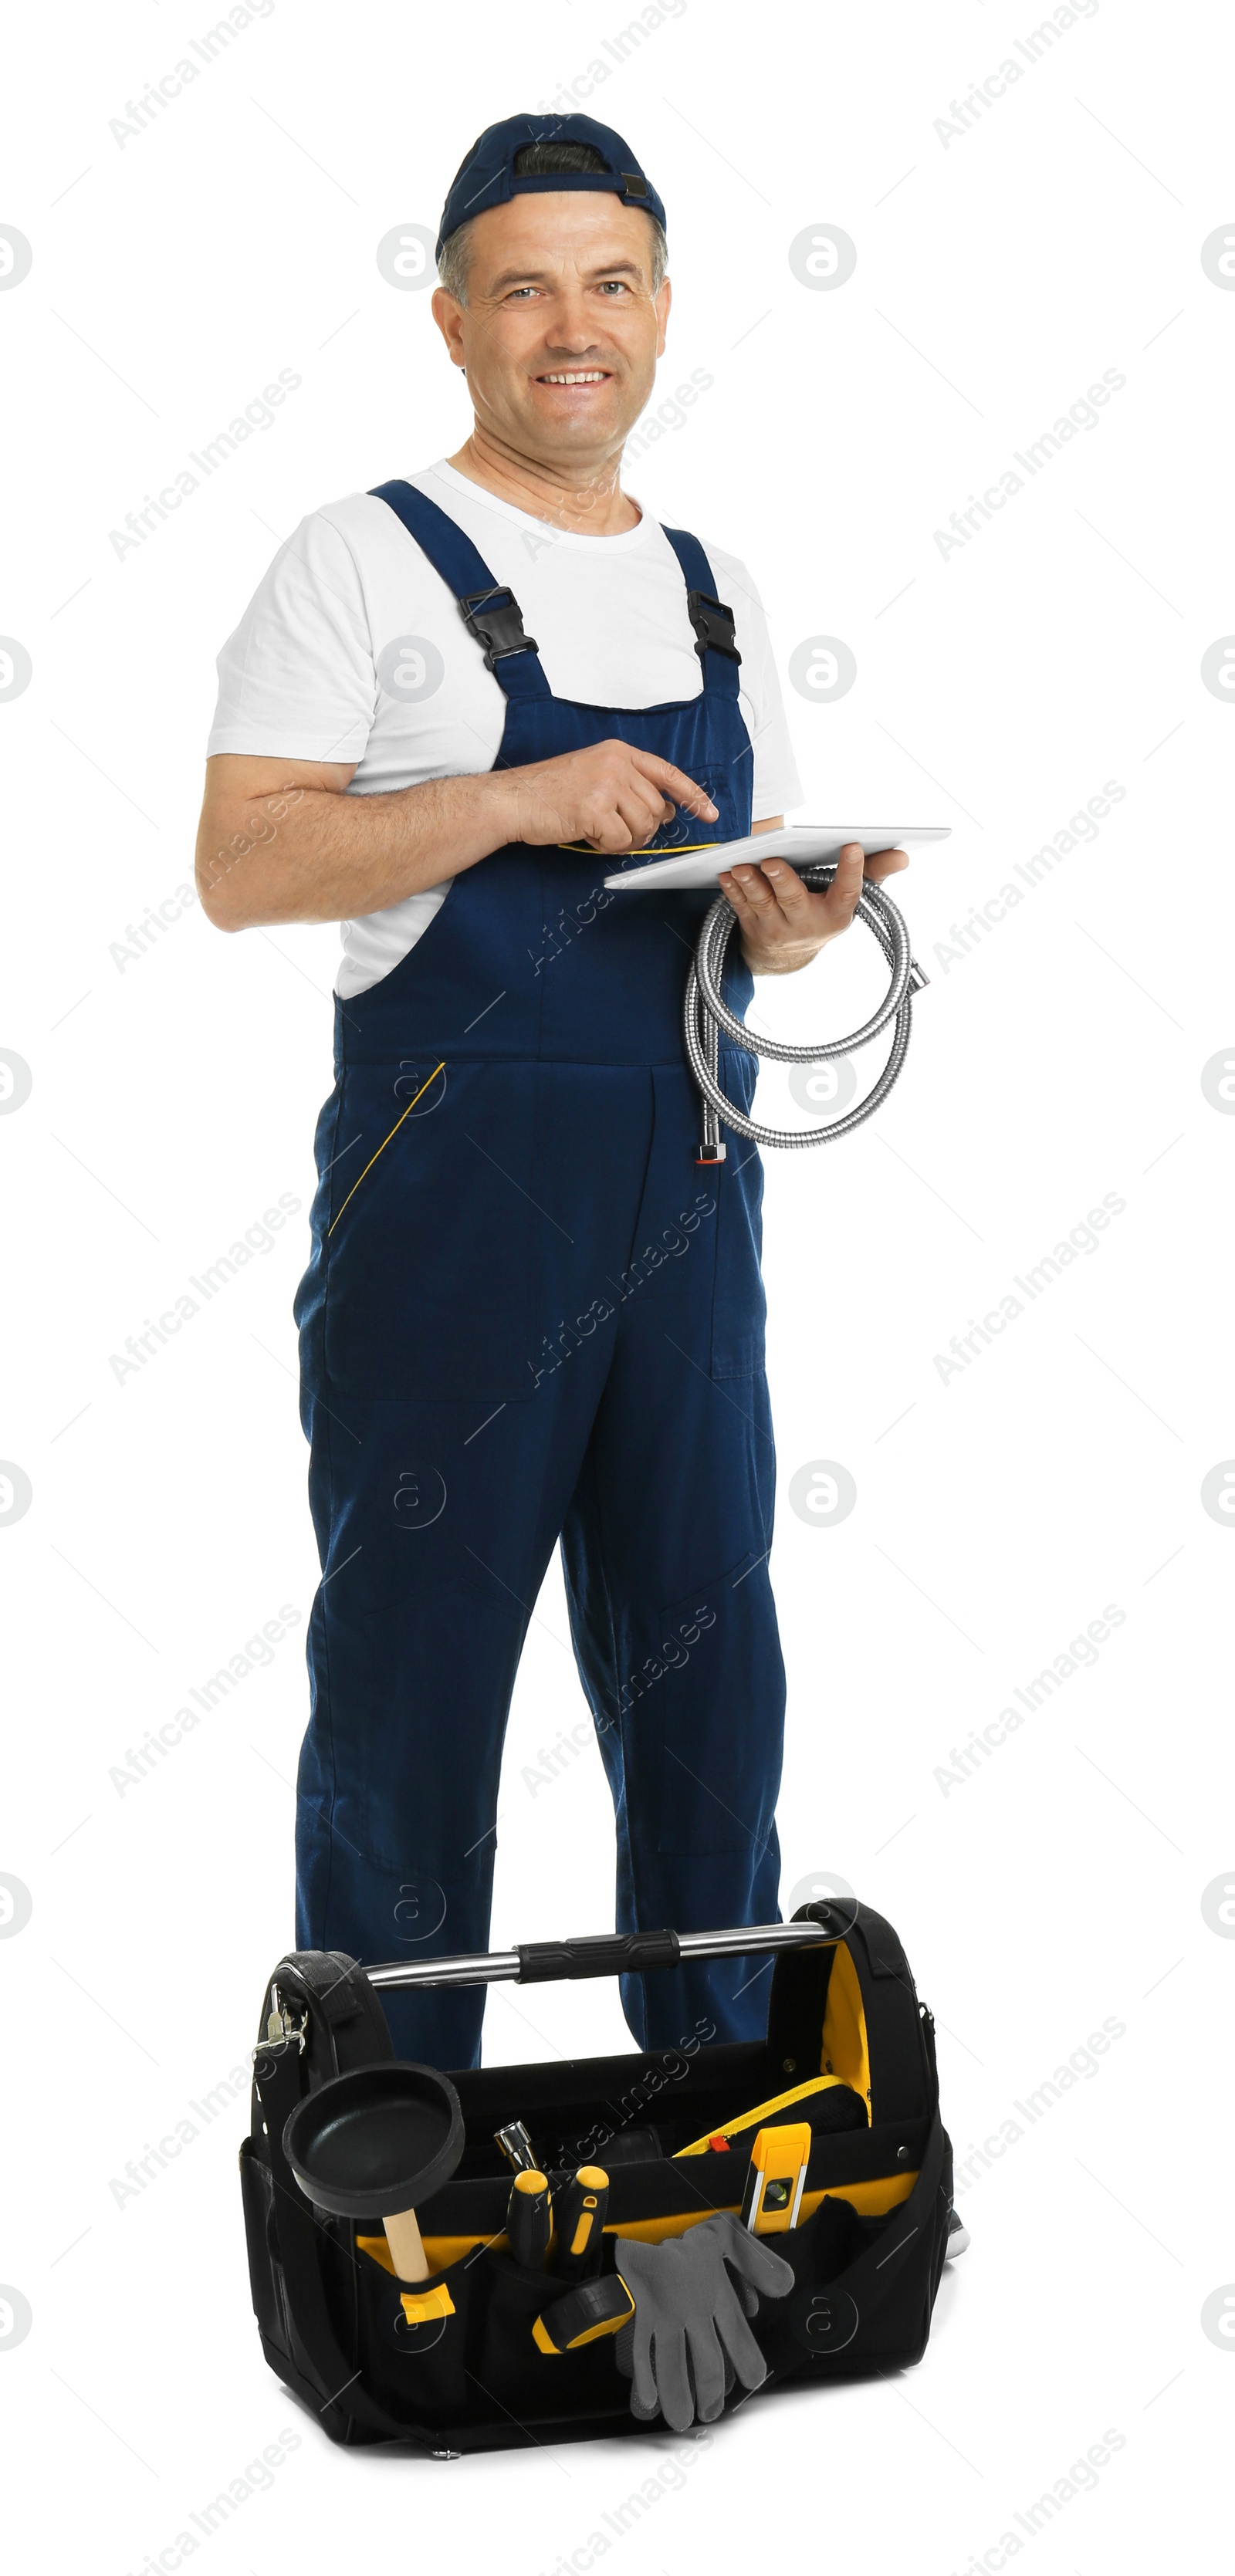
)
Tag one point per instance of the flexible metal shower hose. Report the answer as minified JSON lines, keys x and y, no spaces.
{"x":705,"y":1014}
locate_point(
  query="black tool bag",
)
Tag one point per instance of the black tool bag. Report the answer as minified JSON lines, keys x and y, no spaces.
{"x":455,"y":2365}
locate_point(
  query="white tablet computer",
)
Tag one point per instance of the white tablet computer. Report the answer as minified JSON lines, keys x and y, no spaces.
{"x":799,"y":843}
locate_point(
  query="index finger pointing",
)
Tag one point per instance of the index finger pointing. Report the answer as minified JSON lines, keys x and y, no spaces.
{"x":675,"y":783}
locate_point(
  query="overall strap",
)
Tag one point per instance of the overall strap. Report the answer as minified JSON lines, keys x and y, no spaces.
{"x":715,"y":642}
{"x":489,"y":611}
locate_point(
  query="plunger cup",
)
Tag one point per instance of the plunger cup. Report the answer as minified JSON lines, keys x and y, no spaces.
{"x":372,"y":2144}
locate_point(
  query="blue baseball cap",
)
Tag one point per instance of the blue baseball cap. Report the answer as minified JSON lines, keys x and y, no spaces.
{"x":487,"y":175}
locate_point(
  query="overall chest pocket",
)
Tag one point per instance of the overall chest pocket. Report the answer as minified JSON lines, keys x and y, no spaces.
{"x":431,"y":1252}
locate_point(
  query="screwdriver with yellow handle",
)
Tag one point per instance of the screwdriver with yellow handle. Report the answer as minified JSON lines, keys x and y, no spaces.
{"x":528,"y":2217}
{"x":578,"y":2223}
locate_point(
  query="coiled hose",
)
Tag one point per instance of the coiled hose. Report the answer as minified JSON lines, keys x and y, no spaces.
{"x":705,"y":1014}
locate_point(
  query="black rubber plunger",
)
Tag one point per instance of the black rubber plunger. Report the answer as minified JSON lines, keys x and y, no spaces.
{"x":372,"y":2143}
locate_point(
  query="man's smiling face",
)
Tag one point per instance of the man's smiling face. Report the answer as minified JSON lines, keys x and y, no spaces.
{"x":561,"y":331}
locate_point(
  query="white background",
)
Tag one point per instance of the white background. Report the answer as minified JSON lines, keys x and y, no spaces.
{"x":997,"y":1512}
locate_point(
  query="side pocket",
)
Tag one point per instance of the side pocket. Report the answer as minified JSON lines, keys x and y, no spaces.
{"x":415,"y":2367}
{"x":514,"y":2374}
{"x":818,"y":2319}
{"x":863,"y":2286}
{"x":430,"y":1253}
{"x":261,"y":2236}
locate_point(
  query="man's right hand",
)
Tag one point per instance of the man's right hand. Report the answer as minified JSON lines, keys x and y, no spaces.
{"x":279,"y":840}
{"x":612,"y":796}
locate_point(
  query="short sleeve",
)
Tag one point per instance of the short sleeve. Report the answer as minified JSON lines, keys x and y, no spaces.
{"x":296,"y":679}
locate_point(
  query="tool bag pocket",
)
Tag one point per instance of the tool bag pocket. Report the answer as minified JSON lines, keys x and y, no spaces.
{"x":863,"y":2287}
{"x":412,"y":2339}
{"x":514,"y":2374}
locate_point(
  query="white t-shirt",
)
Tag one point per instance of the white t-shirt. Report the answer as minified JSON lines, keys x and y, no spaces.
{"x":353,"y":649}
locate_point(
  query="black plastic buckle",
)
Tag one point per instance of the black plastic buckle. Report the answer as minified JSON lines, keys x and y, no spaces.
{"x":713,"y":624}
{"x":498,"y":628}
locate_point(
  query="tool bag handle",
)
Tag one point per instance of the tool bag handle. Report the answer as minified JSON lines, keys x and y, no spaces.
{"x":611,"y":1954}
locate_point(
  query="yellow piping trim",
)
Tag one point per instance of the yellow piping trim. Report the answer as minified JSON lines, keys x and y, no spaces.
{"x":668,"y":850}
{"x":438,"y":1068}
{"x":675,"y":850}
{"x":870,"y":2199}
{"x":763,"y":2111}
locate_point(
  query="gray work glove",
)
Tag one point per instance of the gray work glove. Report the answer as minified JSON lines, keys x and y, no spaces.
{"x":688,"y":2337}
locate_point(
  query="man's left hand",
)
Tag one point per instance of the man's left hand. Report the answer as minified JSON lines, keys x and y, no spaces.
{"x":782,"y":924}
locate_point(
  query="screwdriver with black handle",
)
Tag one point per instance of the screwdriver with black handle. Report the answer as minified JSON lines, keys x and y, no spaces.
{"x":578,"y":2223}
{"x":528,"y":2218}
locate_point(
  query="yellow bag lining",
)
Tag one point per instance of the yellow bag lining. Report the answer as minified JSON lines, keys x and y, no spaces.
{"x":440,"y":2252}
{"x":844,"y":2052}
{"x":763,"y":2111}
{"x":869,"y":2199}
{"x":844,"y":2059}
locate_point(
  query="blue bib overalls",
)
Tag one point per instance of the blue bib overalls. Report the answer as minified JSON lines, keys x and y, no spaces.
{"x":530,"y":1313}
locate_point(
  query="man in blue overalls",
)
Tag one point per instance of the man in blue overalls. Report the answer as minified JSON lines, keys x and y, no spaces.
{"x":530,"y":1313}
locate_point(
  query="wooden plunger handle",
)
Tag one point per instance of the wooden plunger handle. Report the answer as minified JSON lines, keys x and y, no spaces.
{"x":406,"y":2250}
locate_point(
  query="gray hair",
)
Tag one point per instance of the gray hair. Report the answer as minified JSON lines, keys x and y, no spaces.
{"x":452,"y":267}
